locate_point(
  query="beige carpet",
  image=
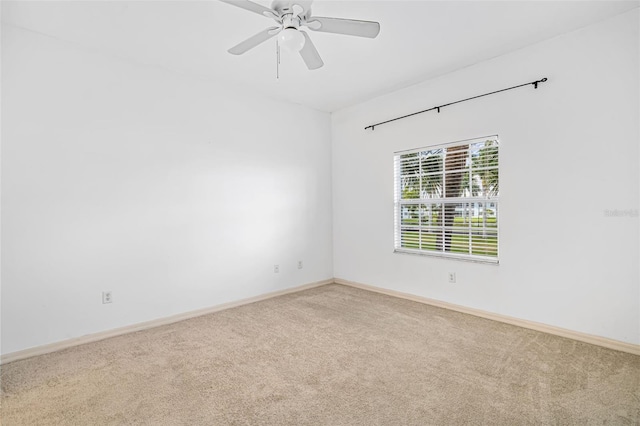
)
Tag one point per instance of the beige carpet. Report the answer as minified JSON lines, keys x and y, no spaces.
{"x":332,"y":355}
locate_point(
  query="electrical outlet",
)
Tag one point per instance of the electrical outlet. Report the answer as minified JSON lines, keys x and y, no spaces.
{"x":299,"y":264}
{"x":452,"y":277}
{"x":107,"y":297}
{"x":276,"y":269}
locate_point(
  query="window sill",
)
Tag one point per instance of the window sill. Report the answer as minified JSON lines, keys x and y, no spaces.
{"x":462,"y":257}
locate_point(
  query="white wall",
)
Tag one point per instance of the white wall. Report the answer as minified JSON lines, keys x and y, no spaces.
{"x":0,"y":182}
{"x":569,"y":151}
{"x":178,"y":194}
{"x":172,"y":193}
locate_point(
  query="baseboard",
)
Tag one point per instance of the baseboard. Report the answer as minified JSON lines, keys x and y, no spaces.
{"x":57,"y":346}
{"x":575,"y":335}
{"x":562,"y":332}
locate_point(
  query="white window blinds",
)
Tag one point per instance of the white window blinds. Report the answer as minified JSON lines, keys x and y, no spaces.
{"x":446,"y":200}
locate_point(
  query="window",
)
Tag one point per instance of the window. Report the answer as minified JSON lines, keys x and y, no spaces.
{"x":446,"y":200}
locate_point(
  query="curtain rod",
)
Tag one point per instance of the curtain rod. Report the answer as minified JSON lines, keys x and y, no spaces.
{"x":437,"y":108}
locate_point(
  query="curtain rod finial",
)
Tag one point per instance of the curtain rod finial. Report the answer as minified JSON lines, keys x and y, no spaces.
{"x":535,"y":83}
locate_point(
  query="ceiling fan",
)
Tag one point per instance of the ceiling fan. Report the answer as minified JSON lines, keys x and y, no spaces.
{"x":291,"y":15}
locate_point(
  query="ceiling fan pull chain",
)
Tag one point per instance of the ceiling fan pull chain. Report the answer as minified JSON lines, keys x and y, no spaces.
{"x":277,"y":60}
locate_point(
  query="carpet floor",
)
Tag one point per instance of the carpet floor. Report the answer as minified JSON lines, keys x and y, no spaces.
{"x":331,"y":355}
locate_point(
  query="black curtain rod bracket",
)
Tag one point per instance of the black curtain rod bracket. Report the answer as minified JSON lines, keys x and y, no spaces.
{"x":437,"y":108}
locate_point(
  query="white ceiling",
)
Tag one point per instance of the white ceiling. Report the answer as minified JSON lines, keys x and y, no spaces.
{"x":418,"y":39}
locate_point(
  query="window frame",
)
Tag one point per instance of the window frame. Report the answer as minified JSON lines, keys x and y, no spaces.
{"x":466,"y":203}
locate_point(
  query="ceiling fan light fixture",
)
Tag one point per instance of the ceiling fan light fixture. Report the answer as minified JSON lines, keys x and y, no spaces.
{"x":292,"y":39}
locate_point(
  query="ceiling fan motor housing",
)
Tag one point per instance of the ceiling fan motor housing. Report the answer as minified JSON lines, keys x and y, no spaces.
{"x":290,"y":21}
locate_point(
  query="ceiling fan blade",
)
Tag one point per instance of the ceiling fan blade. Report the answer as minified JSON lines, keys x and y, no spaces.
{"x":309,"y":54}
{"x":273,"y":15}
{"x":250,"y":6}
{"x":344,"y":26}
{"x":253,"y":41}
{"x":297,"y":9}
